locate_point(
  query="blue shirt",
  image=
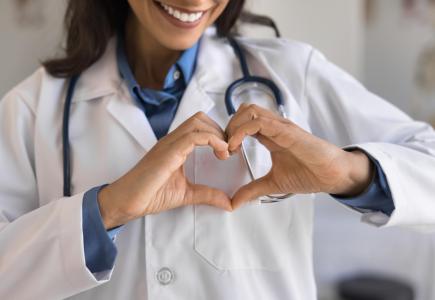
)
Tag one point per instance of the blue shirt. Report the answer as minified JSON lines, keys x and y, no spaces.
{"x":160,"y":107}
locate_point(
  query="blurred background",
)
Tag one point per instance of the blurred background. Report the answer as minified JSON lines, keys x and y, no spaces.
{"x":386,"y":44}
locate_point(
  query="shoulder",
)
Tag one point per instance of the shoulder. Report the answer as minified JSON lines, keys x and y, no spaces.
{"x":31,"y":89}
{"x":289,"y":58}
{"x":277,"y":46}
{"x":286,"y":61}
{"x":280,"y":53}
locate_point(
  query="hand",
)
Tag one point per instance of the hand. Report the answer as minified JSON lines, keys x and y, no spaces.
{"x":301,"y":162}
{"x":157,"y":183}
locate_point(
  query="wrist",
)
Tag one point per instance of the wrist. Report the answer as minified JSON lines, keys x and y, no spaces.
{"x":110,"y":214}
{"x":358,"y":174}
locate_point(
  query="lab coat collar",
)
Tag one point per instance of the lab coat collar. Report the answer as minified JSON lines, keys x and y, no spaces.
{"x":214,"y":71}
{"x":101,"y":79}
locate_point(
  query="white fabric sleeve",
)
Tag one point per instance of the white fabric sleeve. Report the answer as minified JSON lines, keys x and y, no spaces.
{"x":342,"y":111}
{"x":41,"y":248}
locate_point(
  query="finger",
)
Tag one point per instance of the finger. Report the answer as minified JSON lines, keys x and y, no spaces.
{"x":206,"y":119}
{"x":257,"y":188}
{"x":247,"y":112}
{"x":201,"y":194}
{"x":210,"y":123}
{"x":262,"y":126}
{"x":185,"y":144}
{"x":201,"y":122}
{"x":256,"y":110}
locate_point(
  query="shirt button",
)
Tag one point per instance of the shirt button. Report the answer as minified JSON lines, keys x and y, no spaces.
{"x":177,"y":75}
{"x":165,"y":276}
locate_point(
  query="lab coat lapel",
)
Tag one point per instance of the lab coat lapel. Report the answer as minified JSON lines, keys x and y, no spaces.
{"x":214,"y":73}
{"x":133,"y":120}
{"x":102,"y":81}
{"x":193,"y":101}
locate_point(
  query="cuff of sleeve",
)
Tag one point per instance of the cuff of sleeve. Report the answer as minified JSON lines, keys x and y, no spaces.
{"x":377,"y":196}
{"x":77,"y":274}
{"x":100,"y":251}
{"x":113,"y":232}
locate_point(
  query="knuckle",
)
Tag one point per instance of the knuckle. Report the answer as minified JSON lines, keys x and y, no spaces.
{"x":243,"y":106}
{"x":252,"y":112}
{"x":195,"y":124}
{"x":200,"y":114}
{"x":262,"y":119}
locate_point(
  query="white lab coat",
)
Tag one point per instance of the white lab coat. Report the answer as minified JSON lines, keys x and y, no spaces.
{"x":256,"y":252}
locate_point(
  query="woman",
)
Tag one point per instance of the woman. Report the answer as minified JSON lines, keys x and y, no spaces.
{"x":162,"y":206}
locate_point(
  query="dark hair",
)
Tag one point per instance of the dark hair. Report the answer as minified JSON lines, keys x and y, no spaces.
{"x":90,"y":24}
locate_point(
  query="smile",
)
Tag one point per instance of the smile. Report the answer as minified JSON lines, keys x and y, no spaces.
{"x":183,"y":16}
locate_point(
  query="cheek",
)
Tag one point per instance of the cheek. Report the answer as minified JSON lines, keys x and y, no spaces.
{"x":221,"y":5}
{"x":140,"y":8}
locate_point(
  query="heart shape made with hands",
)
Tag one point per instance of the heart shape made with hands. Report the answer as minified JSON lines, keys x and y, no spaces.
{"x":232,"y":175}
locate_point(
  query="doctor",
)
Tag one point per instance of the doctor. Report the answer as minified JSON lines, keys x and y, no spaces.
{"x":161,"y":204}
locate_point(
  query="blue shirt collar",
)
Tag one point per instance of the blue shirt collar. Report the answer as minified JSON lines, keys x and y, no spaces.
{"x":185,"y":64}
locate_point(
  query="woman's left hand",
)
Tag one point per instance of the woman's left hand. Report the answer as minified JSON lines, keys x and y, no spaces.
{"x":301,"y":162}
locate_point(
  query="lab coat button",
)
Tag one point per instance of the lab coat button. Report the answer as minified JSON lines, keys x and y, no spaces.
{"x":165,"y":276}
{"x":177,"y":75}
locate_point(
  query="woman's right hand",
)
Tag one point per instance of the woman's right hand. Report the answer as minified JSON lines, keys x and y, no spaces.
{"x":157,"y":183}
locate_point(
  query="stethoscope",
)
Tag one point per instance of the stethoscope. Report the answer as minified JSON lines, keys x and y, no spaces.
{"x":237,"y":89}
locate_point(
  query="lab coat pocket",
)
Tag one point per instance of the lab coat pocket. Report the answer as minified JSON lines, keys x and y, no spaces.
{"x":256,"y":236}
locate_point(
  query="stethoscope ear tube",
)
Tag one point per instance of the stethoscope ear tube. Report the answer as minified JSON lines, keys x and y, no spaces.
{"x":65,"y":138}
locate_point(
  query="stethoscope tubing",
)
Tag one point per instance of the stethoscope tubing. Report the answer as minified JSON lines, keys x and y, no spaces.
{"x":65,"y":137}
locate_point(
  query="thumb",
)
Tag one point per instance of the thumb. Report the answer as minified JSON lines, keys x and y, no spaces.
{"x":202,"y":194}
{"x":257,"y":188}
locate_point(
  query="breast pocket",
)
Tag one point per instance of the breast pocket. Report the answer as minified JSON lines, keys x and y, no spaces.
{"x":256,"y":236}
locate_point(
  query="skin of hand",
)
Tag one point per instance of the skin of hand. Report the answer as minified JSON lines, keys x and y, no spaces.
{"x":157,"y":183}
{"x":301,"y":162}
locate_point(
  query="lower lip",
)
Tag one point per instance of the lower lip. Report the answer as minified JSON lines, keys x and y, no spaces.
{"x":175,"y":21}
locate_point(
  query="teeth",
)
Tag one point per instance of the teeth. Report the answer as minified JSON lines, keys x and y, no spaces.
{"x":182,"y":16}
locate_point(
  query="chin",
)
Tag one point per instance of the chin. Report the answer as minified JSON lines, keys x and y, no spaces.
{"x":180,"y":43}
